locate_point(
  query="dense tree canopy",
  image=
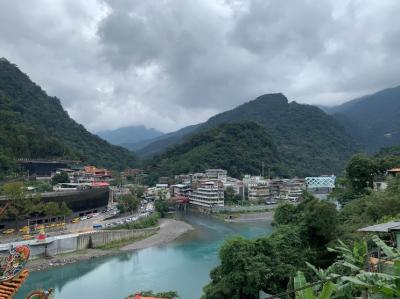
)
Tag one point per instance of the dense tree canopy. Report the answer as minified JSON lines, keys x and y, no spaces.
{"x":239,"y":148}
{"x":34,"y":125}
{"x":309,"y":141}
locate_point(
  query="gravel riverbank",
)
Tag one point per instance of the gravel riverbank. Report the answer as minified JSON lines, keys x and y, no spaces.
{"x":170,"y":230}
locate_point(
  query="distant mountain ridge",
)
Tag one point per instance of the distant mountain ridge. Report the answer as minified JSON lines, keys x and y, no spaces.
{"x":309,"y":141}
{"x":373,"y":120}
{"x":35,"y":125}
{"x":129,"y":136}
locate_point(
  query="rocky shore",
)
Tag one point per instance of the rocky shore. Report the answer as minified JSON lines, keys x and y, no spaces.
{"x":170,"y":230}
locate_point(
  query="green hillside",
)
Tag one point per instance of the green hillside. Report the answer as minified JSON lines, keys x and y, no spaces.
{"x":239,"y":148}
{"x":373,"y":120}
{"x":309,"y":141}
{"x":34,"y":125}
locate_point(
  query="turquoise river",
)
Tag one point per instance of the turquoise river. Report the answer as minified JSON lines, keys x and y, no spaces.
{"x":182,"y":265}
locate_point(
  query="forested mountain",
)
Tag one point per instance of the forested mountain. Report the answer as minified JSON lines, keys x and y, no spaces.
{"x":128,"y":137}
{"x":373,"y":120}
{"x":237,"y":147}
{"x":309,"y":141}
{"x":34,"y":125}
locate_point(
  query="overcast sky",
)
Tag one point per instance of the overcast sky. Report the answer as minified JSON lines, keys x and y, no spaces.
{"x":170,"y":63}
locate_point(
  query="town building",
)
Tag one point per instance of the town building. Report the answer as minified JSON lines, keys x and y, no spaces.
{"x":292,"y":189}
{"x":257,"y":188}
{"x":180,"y":190}
{"x":216,"y":174}
{"x":208,"y":195}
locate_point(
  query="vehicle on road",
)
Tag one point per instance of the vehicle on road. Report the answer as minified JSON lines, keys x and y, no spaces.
{"x":24,"y":229}
{"x":97,"y":226}
{"x":8,"y":231}
{"x":28,"y":237}
{"x":83,"y":218}
{"x":75,"y":220}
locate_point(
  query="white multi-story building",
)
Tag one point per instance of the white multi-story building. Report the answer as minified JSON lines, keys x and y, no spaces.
{"x":208,"y":195}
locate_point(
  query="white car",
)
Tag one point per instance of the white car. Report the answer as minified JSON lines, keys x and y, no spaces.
{"x":83,"y":218}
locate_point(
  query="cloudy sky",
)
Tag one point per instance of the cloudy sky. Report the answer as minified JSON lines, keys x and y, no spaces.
{"x":170,"y":63}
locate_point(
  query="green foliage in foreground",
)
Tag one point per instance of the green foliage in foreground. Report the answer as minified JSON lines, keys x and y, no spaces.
{"x":360,"y":173}
{"x":164,"y":295}
{"x":375,"y":207}
{"x":150,"y":221}
{"x":307,"y":229}
{"x":348,"y":278}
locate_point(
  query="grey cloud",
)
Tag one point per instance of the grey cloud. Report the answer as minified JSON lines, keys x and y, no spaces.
{"x":167,"y":64}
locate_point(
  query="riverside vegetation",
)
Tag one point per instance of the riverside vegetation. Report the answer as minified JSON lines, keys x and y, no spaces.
{"x":302,"y":237}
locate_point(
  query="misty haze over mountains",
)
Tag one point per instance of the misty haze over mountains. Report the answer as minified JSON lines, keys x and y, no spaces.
{"x":372,"y":120}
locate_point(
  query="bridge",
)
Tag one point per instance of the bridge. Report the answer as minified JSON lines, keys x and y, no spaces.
{"x":320,"y":182}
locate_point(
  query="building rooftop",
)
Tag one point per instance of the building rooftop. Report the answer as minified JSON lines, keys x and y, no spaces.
{"x":382,"y":228}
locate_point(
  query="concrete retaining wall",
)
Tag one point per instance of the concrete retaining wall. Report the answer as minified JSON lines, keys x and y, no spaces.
{"x":86,"y":240}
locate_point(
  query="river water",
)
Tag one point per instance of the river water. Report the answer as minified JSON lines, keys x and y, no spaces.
{"x":182,"y":265}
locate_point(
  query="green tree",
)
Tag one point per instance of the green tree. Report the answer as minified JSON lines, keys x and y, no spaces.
{"x":61,"y":177}
{"x":55,"y":209}
{"x":230,"y":196}
{"x":162,"y":207}
{"x":248,"y":266}
{"x":127,"y":203}
{"x":286,"y":213}
{"x":20,"y":203}
{"x":320,"y":222}
{"x":360,"y":171}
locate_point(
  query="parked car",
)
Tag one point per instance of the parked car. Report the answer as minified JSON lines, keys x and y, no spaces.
{"x":75,"y":220}
{"x":28,"y":237}
{"x":97,"y":226}
{"x":8,"y":231}
{"x":83,"y":218}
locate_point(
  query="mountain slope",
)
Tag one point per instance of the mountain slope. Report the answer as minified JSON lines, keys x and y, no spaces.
{"x":238,"y":147}
{"x":34,"y":125}
{"x":157,"y":145}
{"x":129,"y":135}
{"x":309,"y":141}
{"x":373,"y":120}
